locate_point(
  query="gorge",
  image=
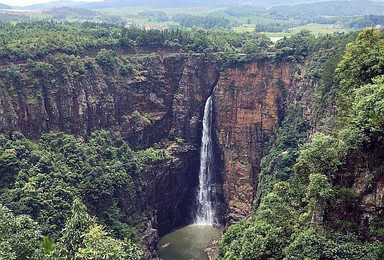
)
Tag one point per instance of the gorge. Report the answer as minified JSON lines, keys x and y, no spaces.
{"x":170,"y":102}
{"x":152,"y":140}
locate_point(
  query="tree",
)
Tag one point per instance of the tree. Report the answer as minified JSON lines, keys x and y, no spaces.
{"x":267,"y":233}
{"x":19,"y":236}
{"x":72,"y":234}
{"x":319,"y":191}
{"x":99,"y":245}
{"x":309,"y":244}
{"x":83,"y":238}
{"x":107,"y":60}
{"x":366,"y":129}
{"x":256,"y":48}
{"x":363,"y":60}
{"x":9,"y":167}
{"x":321,"y":155}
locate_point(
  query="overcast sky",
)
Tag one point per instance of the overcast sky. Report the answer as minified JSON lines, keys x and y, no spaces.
{"x":30,"y":2}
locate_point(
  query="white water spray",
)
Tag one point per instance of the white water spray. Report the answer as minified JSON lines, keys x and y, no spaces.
{"x":205,"y":213}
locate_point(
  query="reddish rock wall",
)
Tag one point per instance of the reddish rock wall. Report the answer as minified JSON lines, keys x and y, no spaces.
{"x":168,"y":91}
{"x":248,"y":107}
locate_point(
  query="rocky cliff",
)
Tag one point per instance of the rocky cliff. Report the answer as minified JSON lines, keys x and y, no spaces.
{"x":161,"y":102}
{"x":161,"y":105}
{"x":249,"y":102}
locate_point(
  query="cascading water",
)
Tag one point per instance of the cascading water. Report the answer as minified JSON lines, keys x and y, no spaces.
{"x":205,"y":213}
{"x":191,"y":241}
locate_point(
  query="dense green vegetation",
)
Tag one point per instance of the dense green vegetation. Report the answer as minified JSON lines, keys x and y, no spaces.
{"x":37,"y":40}
{"x":61,"y":196}
{"x":306,"y":215}
{"x":209,"y":22}
{"x":366,"y":21}
{"x":362,"y":63}
{"x":45,"y":184}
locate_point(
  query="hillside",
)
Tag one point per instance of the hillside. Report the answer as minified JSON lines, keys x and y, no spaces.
{"x":330,"y":8}
{"x":3,"y":6}
{"x":169,"y":4}
{"x":320,"y":187}
{"x":68,"y":11}
{"x":101,"y":133}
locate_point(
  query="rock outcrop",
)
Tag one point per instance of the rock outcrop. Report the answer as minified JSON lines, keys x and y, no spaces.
{"x":163,"y":100}
{"x":171,"y":187}
{"x":249,"y":109}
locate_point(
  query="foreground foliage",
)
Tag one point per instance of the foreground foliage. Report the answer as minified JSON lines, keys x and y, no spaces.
{"x":44,"y":185}
{"x":310,"y":214}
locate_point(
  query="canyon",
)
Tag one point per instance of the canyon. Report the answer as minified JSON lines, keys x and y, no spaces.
{"x":163,"y":103}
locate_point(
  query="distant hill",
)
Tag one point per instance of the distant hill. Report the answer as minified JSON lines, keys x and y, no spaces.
{"x":56,"y":4}
{"x":330,"y":8}
{"x":190,"y":3}
{"x":164,"y":3}
{"x":65,"y":11}
{"x":121,"y":3}
{"x":180,"y":3}
{"x":3,"y":6}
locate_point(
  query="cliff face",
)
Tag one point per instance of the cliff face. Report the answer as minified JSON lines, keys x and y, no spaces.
{"x":169,"y":194}
{"x":249,"y":108}
{"x":162,"y":102}
{"x":167,"y":92}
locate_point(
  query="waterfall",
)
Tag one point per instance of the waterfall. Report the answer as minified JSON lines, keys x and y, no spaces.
{"x":205,"y":213}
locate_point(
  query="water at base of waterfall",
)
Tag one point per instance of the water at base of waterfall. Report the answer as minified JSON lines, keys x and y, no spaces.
{"x":188,"y":242}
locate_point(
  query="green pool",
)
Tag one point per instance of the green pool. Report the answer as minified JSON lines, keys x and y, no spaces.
{"x":188,"y":243}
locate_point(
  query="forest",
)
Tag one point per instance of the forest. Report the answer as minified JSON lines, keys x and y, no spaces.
{"x":73,"y":192}
{"x":44,"y":185}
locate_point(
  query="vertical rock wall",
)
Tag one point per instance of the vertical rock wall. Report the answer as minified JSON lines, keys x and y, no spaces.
{"x":249,"y":107}
{"x":163,"y":100}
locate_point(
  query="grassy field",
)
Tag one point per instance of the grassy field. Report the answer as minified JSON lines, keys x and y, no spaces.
{"x":319,"y":29}
{"x":131,"y":14}
{"x":244,"y":28}
{"x":314,"y":28}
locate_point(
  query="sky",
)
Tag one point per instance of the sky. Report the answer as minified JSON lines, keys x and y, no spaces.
{"x":31,"y":2}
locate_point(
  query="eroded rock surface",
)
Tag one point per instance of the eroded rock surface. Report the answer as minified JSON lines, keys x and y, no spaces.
{"x":249,"y":107}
